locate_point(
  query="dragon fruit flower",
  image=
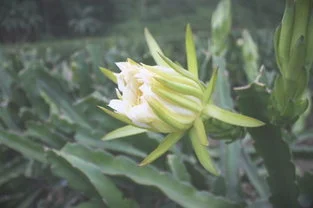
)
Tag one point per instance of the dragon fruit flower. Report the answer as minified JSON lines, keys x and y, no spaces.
{"x":166,"y":98}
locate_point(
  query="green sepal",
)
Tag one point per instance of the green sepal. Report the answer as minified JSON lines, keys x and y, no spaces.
{"x":175,"y":98}
{"x":109,"y":74}
{"x":297,"y":59}
{"x":230,"y":117}
{"x":131,"y":61}
{"x":154,"y":48}
{"x":180,"y":87}
{"x":278,"y":94}
{"x":202,"y":153}
{"x":276,"y":46}
{"x":309,"y":48}
{"x":301,"y":18}
{"x":211,"y":86}
{"x":173,"y":77}
{"x":191,"y":52}
{"x":179,"y":69}
{"x":116,"y":115}
{"x":125,"y":131}
{"x":286,"y":31}
{"x":171,"y":118}
{"x":165,"y":145}
{"x":200,"y":131}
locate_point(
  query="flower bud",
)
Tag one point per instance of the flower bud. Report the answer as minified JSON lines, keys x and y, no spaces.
{"x":221,"y":26}
{"x":156,"y":97}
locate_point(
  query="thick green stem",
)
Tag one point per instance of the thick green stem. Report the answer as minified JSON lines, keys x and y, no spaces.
{"x":270,"y":145}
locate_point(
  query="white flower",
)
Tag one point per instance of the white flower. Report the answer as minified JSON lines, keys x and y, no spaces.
{"x":169,"y":99}
{"x":146,"y":95}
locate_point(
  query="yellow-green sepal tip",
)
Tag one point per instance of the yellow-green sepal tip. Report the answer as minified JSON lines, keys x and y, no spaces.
{"x":165,"y":145}
{"x":125,"y":131}
{"x":109,"y":74}
{"x":202,"y":153}
{"x":191,"y":52}
{"x":211,"y":86}
{"x":180,"y":87}
{"x":174,"y":120}
{"x":180,"y":70}
{"x":116,"y":115}
{"x":154,"y":48}
{"x":231,"y":117}
{"x":200,"y":131}
{"x":175,"y":98}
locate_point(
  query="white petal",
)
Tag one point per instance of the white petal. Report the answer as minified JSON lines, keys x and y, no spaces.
{"x":119,"y":106}
{"x":141,"y":113}
{"x":123,"y":66}
{"x":165,"y":69}
{"x":121,"y":82}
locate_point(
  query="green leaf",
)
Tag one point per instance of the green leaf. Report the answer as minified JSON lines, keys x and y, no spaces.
{"x":305,"y":184}
{"x":230,"y":117}
{"x":30,"y":199}
{"x":63,"y":168}
{"x":251,"y":170}
{"x":96,"y":57}
{"x":11,"y":170}
{"x":165,"y":145}
{"x":120,"y":146}
{"x":46,"y":134}
{"x":178,"y":168}
{"x":230,"y":167}
{"x":109,"y":74}
{"x":191,"y":52}
{"x":202,"y":153}
{"x":91,"y":180}
{"x":125,"y":131}
{"x":29,"y":79}
{"x":180,"y":192}
{"x":89,"y":204}
{"x":23,"y":145}
{"x":154,"y":48}
{"x":60,"y":103}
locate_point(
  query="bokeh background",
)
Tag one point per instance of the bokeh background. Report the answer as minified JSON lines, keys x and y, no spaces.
{"x":50,"y":86}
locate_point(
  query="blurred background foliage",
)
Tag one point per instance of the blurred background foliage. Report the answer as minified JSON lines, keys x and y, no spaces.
{"x":51,"y":152}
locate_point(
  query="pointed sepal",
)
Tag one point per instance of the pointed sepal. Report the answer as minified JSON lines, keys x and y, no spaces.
{"x":200,"y":131}
{"x":191,"y":52}
{"x":165,"y":145}
{"x":175,"y":98}
{"x":110,"y":75}
{"x":154,"y":48}
{"x":211,"y":86}
{"x":231,"y":117}
{"x":116,"y":115}
{"x":202,"y":153}
{"x":174,"y":120}
{"x":125,"y":131}
{"x":179,"y":69}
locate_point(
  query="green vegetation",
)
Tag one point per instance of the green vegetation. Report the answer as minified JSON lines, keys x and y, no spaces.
{"x":51,"y":148}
